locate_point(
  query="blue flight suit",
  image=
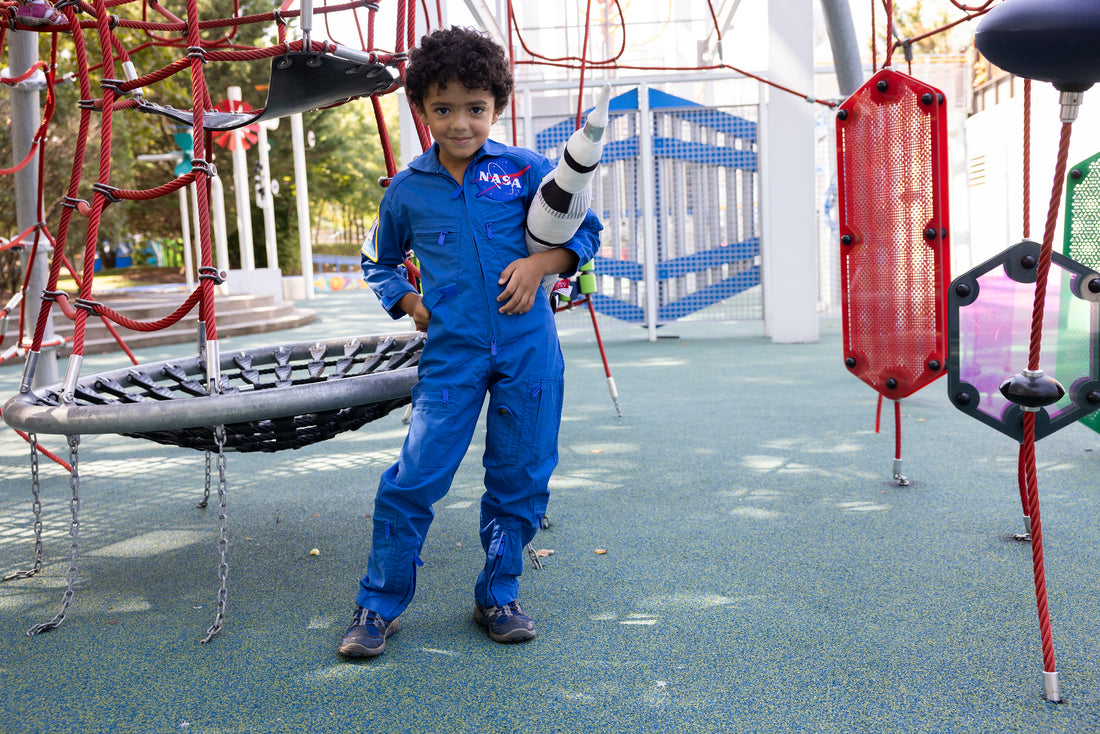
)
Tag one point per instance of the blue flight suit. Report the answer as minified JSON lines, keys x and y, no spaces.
{"x":464,"y":235}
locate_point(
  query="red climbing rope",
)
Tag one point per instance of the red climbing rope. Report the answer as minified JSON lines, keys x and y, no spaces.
{"x":1027,"y":159}
{"x":584,"y":58}
{"x":1043,"y":268}
{"x":1031,"y":486}
{"x":897,"y":430}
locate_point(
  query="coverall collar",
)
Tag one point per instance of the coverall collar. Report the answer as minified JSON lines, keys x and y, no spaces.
{"x":428,"y":162}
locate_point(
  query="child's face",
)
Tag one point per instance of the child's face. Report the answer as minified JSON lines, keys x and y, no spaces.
{"x":460,"y":120}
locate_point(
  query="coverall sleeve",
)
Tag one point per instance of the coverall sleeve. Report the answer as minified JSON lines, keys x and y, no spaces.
{"x":382,"y":257}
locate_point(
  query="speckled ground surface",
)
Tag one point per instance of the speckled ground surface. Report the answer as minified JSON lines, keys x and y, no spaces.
{"x":762,"y":573}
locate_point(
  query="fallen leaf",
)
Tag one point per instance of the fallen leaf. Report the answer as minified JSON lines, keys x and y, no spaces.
{"x":315,"y":552}
{"x":543,"y":552}
{"x":601,"y":551}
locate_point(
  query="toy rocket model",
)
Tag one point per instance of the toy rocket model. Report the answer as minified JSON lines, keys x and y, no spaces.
{"x":562,"y":199}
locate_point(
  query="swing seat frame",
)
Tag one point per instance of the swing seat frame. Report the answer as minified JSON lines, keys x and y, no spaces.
{"x":273,"y":398}
{"x":300,"y":81}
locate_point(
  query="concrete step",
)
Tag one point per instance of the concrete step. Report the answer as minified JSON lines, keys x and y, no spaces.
{"x":235,"y":315}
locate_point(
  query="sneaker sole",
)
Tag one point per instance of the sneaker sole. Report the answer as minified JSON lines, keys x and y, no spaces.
{"x":516,"y":635}
{"x":519,"y":635}
{"x":355,"y":650}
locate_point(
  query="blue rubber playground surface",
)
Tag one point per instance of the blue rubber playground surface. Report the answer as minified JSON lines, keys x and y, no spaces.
{"x":762,"y":572}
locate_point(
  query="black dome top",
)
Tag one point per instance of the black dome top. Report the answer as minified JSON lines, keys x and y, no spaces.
{"x":1047,"y":40}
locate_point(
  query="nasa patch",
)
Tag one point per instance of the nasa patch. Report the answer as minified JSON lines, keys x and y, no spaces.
{"x":370,"y":244}
{"x":499,"y":179}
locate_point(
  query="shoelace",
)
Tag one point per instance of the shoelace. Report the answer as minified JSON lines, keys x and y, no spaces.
{"x":367,"y":618}
{"x":510,"y":609}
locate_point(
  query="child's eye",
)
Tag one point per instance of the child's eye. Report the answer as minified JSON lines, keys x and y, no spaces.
{"x":477,"y":110}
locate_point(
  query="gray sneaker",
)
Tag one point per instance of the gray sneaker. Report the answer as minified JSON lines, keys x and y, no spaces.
{"x":366,"y":635}
{"x":505,"y":624}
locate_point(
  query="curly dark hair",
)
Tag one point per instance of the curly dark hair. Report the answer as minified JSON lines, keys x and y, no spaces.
{"x":463,"y":55}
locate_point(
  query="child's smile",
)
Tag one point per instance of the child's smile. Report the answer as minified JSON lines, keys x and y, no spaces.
{"x":460,"y":120}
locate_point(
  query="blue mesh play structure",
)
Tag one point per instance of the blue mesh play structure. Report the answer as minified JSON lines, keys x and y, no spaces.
{"x":697,"y":212}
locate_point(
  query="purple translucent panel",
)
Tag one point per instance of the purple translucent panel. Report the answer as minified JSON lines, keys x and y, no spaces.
{"x":995,"y":334}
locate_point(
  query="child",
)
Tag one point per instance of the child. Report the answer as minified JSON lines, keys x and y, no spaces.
{"x":461,"y":207}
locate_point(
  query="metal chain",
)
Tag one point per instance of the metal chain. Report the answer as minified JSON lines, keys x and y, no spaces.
{"x":74,"y":548}
{"x":223,"y":540}
{"x":533,"y":555}
{"x":36,"y":507}
{"x":206,"y":489}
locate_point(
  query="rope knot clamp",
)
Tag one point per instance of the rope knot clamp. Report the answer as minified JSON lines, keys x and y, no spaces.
{"x":196,"y":52}
{"x":384,"y":181}
{"x":199,"y":165}
{"x":277,"y":16}
{"x":370,"y":5}
{"x":107,"y":190}
{"x":87,"y":304}
{"x":72,"y":202}
{"x":112,"y":21}
{"x":87,"y":104}
{"x":112,"y":84}
{"x":208,"y":272}
{"x":62,"y":4}
{"x":48,"y":295}
{"x":315,"y":58}
{"x":285,"y":62}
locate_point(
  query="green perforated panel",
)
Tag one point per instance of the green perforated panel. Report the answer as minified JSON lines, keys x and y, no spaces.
{"x":1082,"y":236}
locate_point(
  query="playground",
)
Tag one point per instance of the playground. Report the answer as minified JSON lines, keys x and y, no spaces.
{"x":736,"y":539}
{"x":763,"y":572}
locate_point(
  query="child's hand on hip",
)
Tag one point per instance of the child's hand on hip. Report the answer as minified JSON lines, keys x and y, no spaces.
{"x":521,"y":281}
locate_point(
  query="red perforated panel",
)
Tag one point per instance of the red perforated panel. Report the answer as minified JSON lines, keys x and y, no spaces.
{"x":892,"y":185}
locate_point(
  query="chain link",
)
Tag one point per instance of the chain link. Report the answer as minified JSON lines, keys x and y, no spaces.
{"x":36,"y":508}
{"x":223,"y":540}
{"x":74,"y":548}
{"x":533,"y":555}
{"x":206,"y":489}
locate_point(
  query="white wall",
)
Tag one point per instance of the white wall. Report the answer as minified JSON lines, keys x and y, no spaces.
{"x":995,"y":141}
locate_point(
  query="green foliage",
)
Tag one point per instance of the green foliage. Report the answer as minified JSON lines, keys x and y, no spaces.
{"x":342,"y":167}
{"x":915,"y":18}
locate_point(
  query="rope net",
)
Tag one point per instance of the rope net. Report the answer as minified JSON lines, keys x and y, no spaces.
{"x":120,"y":41}
{"x":111,"y":41}
{"x":306,"y":74}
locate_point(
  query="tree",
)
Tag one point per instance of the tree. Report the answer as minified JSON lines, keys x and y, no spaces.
{"x":343,"y":166}
{"x":346,"y":164}
{"x":915,"y":19}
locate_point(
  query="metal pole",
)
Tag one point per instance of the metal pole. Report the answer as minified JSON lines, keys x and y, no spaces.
{"x":305,"y":244}
{"x":240,"y":183}
{"x":842,"y":39}
{"x":648,"y":200}
{"x":185,"y":230}
{"x":25,"y":119}
{"x":217,"y":214}
{"x":196,"y":227}
{"x":267,"y":203}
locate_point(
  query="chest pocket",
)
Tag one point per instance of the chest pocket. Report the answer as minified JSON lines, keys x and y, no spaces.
{"x":439,"y":247}
{"x":433,"y":239}
{"x":503,"y":231}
